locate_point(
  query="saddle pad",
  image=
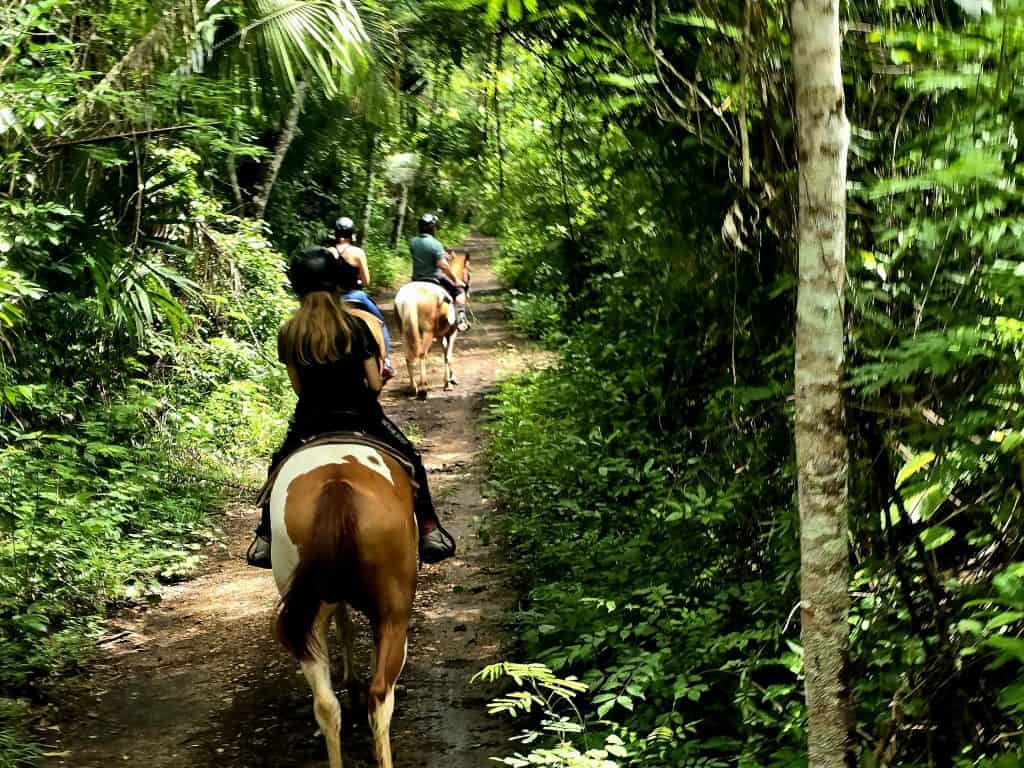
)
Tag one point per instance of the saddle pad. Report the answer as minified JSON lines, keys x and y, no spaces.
{"x":338,"y":438}
{"x":408,"y":292}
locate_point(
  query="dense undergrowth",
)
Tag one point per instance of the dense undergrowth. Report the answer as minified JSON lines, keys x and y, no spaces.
{"x":158,"y":175}
{"x":637,"y":162}
{"x":648,"y":478}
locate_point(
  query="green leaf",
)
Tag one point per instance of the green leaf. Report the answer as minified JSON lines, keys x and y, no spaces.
{"x":914,"y":465}
{"x":936,"y":536}
{"x":1010,"y":646}
{"x":1004,"y":618}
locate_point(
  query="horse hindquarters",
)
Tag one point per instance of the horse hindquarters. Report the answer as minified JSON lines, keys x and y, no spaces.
{"x":303,"y":618}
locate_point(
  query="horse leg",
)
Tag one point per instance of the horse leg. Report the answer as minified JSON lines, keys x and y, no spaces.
{"x":449,"y":358}
{"x":346,"y":636}
{"x":318,"y":673}
{"x":410,"y":364}
{"x":389,"y":660}
{"x":421,"y":384}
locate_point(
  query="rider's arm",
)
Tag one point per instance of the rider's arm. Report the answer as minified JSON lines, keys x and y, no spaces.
{"x":372,"y":367}
{"x":364,"y":268}
{"x":444,"y":266}
{"x":294,"y":376}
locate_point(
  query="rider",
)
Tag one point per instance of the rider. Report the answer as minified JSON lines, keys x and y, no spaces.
{"x":430,"y":264}
{"x":355,"y":257}
{"x":331,"y":359}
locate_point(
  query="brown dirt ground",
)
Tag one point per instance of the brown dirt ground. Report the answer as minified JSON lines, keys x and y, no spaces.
{"x":199,"y":681}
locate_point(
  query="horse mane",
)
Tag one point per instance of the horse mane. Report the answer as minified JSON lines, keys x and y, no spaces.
{"x":328,"y":563}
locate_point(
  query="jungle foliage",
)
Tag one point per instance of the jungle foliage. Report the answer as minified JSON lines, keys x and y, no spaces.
{"x":637,"y":161}
{"x":160,"y":163}
{"x":649,"y":477}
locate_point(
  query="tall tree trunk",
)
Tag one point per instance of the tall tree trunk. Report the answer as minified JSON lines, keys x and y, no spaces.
{"x":498,"y":46}
{"x":283,"y":143}
{"x":236,"y":189}
{"x":821,"y":449}
{"x":745,"y":46}
{"x":400,"y":219}
{"x":371,"y":180}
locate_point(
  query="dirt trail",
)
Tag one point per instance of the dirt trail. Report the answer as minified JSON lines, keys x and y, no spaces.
{"x":198,"y":680}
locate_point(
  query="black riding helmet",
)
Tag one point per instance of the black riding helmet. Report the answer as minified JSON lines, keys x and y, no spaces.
{"x":344,"y":228}
{"x":314,"y":269}
{"x":427,"y":224}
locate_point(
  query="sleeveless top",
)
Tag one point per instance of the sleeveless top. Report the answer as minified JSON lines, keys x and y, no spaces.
{"x":349,"y":274}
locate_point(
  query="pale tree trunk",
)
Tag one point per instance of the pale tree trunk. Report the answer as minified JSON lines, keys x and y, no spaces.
{"x":745,"y":45}
{"x":283,"y":143}
{"x":371,"y":180}
{"x":236,"y":189}
{"x":400,"y":222}
{"x":821,"y":450}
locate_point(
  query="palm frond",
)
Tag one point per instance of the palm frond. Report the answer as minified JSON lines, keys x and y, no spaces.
{"x":288,"y":40}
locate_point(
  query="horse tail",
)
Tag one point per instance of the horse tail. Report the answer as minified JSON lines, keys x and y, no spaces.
{"x":326,"y":565}
{"x":408,"y":312}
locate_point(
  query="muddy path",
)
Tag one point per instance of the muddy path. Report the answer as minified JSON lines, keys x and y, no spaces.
{"x":199,"y":681}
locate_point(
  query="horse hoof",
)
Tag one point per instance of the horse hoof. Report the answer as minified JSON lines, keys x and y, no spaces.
{"x":421,"y":395}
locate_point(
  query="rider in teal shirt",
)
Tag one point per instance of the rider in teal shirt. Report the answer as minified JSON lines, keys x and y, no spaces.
{"x":430,"y":264}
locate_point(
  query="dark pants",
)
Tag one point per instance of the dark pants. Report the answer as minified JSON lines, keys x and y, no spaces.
{"x":445,"y":282}
{"x":380,"y":427}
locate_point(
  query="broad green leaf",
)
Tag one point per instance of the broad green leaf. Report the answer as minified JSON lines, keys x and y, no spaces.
{"x":936,"y":536}
{"x":914,"y":465}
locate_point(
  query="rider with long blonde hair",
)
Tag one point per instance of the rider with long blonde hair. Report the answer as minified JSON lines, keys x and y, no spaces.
{"x":332,"y":364}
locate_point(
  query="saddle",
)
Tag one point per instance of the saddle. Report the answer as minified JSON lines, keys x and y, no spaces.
{"x":338,"y":438}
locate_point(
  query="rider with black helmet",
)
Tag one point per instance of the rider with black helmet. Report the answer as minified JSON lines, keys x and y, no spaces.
{"x":332,"y":363}
{"x":430,"y":264}
{"x":358,"y":279}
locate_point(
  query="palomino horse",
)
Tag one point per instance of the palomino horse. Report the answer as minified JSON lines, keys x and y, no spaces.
{"x":344,"y":535}
{"x":374,"y":326}
{"x":426,"y":312}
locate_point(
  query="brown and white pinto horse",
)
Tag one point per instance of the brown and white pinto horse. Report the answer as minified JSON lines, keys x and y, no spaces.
{"x":426,"y":312}
{"x":344,"y":534}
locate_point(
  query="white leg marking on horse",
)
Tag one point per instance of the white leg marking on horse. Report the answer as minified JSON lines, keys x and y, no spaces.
{"x":325,"y":704}
{"x":449,"y":360}
{"x":380,"y":724}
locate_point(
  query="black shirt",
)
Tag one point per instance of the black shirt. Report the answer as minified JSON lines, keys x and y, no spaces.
{"x":334,"y":395}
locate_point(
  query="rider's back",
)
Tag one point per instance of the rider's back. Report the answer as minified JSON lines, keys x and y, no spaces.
{"x":333,"y":385}
{"x":426,"y":251}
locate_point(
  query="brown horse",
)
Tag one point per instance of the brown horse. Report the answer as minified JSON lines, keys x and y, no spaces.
{"x":426,"y":312}
{"x":344,"y":534}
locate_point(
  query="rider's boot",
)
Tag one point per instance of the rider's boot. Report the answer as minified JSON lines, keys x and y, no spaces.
{"x":436,"y":544}
{"x":461,"y":318}
{"x":389,"y":370}
{"x":258,"y":554}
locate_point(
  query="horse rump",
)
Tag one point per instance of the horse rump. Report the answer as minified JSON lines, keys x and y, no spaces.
{"x":327,"y":561}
